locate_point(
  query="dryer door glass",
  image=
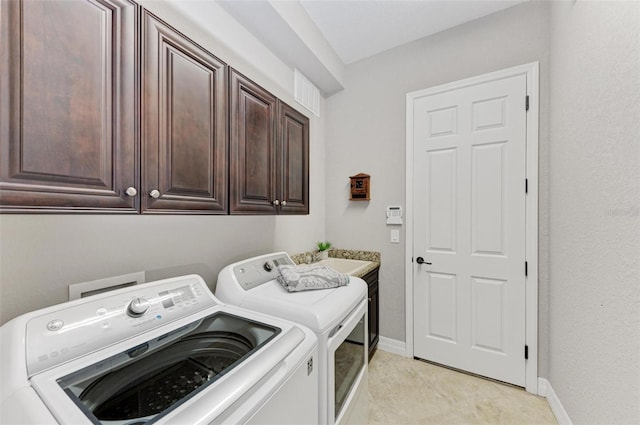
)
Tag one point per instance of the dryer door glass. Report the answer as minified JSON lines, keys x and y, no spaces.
{"x":145,"y":382}
{"x":349,"y":361}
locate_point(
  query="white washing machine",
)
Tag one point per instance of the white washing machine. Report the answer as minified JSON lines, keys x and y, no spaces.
{"x":162,"y":352}
{"x":338,"y":316}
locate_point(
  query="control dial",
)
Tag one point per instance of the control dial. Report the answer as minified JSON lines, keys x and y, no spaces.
{"x":268,"y":266}
{"x":137,"y":307}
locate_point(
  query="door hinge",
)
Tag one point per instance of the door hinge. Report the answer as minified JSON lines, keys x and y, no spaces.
{"x":526,"y":103}
{"x":526,"y":352}
{"x":526,"y":268}
{"x":526,"y":185}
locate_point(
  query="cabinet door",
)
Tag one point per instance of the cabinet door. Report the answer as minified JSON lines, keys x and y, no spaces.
{"x":184,"y":136}
{"x":374,"y":308}
{"x":374,"y":324}
{"x":293,"y":172}
{"x":68,"y":106}
{"x":253,"y":147}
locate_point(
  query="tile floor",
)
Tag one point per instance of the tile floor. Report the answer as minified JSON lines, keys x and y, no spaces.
{"x":406,"y":391}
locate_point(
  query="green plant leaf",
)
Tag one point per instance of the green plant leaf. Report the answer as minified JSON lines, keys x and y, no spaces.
{"x":323,"y":246}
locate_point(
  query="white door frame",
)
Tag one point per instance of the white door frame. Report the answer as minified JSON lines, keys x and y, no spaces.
{"x":531,"y":71}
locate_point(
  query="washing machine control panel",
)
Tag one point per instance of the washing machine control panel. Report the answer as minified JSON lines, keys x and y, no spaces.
{"x":92,"y":323}
{"x":252,"y":273}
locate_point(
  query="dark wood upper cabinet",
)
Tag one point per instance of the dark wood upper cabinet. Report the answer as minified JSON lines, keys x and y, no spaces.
{"x":102,"y":110}
{"x":253,"y":147}
{"x":293,"y":137}
{"x":68,"y":106}
{"x":184,"y":131}
{"x":269,"y":152}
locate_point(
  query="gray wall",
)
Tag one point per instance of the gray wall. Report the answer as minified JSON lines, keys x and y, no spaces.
{"x":589,"y":171}
{"x":366,"y":133}
{"x":42,"y":254}
{"x":595,"y":210}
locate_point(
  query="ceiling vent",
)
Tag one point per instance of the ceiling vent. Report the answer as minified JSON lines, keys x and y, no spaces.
{"x":306,"y":94}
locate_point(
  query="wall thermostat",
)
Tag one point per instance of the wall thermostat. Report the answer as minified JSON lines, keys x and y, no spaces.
{"x":394,"y":214}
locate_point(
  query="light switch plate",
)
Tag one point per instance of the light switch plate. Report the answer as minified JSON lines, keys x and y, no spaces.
{"x":395,"y":236}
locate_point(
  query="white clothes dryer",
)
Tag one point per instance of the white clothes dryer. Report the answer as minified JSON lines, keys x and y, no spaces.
{"x":161,"y":352}
{"x":338,"y":316}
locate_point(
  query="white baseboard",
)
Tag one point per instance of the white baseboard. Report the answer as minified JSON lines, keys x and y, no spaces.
{"x":392,"y":346}
{"x":546,"y":390}
{"x":543,"y":386}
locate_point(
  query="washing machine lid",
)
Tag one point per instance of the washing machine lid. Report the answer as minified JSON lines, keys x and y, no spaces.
{"x":216,"y":359}
{"x":251,"y":284}
{"x":152,"y":378}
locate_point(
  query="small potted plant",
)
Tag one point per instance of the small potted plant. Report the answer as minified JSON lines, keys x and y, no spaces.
{"x":323,"y":250}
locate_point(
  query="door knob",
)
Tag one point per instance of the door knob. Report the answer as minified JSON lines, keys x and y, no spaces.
{"x":420,"y":260}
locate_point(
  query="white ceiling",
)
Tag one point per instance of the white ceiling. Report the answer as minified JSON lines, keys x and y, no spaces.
{"x":357,"y":29}
{"x":321,"y":37}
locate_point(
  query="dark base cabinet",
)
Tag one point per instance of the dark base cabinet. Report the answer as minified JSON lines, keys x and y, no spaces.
{"x":374,"y":307}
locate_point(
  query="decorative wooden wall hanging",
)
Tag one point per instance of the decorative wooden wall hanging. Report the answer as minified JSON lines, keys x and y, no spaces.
{"x":360,"y":187}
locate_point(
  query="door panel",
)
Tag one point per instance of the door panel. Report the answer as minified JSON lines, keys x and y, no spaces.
{"x":257,"y":148}
{"x":488,"y":199}
{"x":442,"y":311}
{"x":487,"y":297}
{"x":184,"y":115}
{"x":67,"y":117}
{"x":51,"y":101}
{"x":489,"y":114}
{"x":469,"y":200}
{"x":253,"y":147}
{"x":441,"y":200}
{"x":188,"y":115}
{"x":294,"y":178}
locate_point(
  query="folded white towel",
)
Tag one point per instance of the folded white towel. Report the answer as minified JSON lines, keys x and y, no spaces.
{"x":308,"y":277}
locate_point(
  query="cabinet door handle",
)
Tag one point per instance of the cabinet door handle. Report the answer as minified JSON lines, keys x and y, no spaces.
{"x":283,"y":203}
{"x":155,"y":193}
{"x":131,"y":191}
{"x":276,"y":203}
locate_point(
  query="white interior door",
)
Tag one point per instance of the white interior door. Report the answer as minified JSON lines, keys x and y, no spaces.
{"x":469,"y":223}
